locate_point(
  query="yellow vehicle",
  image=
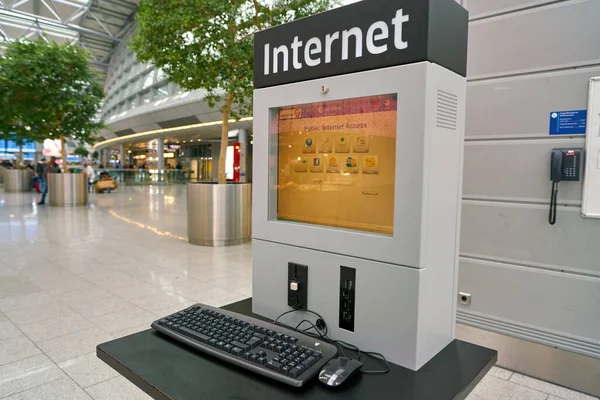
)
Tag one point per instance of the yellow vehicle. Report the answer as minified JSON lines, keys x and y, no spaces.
{"x":105,"y":183}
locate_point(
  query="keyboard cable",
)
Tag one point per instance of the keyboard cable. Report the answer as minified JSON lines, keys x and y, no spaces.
{"x":321,"y":331}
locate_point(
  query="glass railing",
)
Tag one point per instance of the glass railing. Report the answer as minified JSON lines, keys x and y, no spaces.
{"x":151,"y":176}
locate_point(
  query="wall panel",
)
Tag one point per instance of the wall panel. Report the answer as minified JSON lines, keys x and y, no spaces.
{"x":529,"y":279}
{"x":483,"y":8}
{"x":555,"y":36}
{"x":520,"y":234}
{"x":525,"y":292}
{"x":520,"y":106}
{"x":516,"y":170}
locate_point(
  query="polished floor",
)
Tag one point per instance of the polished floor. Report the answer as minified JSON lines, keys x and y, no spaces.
{"x":75,"y":277}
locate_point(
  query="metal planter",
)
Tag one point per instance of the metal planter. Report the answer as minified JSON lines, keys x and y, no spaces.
{"x":219,"y":215}
{"x":67,"y":190}
{"x":17,"y":180}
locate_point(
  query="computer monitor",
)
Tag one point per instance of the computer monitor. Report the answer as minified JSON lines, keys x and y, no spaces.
{"x":336,"y":163}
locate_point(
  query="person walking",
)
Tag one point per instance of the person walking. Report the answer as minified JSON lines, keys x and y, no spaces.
{"x":50,"y":168}
{"x":40,"y":171}
{"x":91,"y":175}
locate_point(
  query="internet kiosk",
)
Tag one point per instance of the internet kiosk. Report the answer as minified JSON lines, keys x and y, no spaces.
{"x":358,"y":152}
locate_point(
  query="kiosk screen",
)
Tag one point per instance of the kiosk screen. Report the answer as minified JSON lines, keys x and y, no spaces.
{"x":336,"y":163}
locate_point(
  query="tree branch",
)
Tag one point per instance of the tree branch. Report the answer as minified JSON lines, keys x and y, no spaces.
{"x":248,"y":35}
{"x":256,"y":6}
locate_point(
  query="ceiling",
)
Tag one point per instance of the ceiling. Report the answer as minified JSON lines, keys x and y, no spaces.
{"x":96,"y":25}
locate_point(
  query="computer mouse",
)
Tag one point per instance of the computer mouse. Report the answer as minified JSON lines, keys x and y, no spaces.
{"x":339,"y":370}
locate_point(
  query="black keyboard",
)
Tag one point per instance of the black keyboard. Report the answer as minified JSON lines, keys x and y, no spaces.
{"x":262,"y":347}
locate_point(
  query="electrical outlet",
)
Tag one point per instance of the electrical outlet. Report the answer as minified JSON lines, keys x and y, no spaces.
{"x":347,"y":298}
{"x":464,"y":298}
{"x":297,"y":288}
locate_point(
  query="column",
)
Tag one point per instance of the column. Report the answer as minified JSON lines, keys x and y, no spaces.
{"x":122,"y":155}
{"x":215,"y":153}
{"x":161,"y":154}
{"x":243,"y":140}
{"x":39,"y":148}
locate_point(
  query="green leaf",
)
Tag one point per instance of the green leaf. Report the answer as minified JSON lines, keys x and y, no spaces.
{"x":48,"y":90}
{"x":209,"y":45}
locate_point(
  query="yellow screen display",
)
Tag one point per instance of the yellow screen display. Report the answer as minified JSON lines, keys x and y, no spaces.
{"x":337,"y":163}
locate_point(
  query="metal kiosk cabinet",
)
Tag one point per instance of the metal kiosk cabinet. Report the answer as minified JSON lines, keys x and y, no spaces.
{"x":358,"y":151}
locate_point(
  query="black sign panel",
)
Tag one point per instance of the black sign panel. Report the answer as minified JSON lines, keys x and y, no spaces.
{"x":362,"y":36}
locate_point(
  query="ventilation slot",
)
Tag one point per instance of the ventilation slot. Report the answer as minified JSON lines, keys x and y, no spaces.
{"x":447,"y":110}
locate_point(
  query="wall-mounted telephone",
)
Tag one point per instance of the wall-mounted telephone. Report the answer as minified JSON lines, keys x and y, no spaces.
{"x":565,"y":165}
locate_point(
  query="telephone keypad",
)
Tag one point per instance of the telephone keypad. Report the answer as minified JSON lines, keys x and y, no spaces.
{"x":570,"y":171}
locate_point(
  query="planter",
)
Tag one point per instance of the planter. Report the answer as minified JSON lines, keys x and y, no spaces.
{"x":219,"y":215}
{"x":67,"y":190}
{"x":17,"y":180}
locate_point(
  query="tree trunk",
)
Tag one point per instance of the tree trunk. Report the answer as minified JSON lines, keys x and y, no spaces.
{"x":19,"y":157}
{"x":224,"y":138}
{"x":63,"y":152}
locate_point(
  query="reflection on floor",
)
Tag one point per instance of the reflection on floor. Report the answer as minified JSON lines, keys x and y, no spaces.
{"x":75,"y":277}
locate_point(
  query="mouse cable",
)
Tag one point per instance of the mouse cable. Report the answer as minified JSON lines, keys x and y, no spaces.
{"x":340,"y":344}
{"x":379,"y":357}
{"x":320,"y":329}
{"x":312,"y":326}
{"x":319,"y":335}
{"x":319,"y":324}
{"x":374,"y":355}
{"x":281,"y":315}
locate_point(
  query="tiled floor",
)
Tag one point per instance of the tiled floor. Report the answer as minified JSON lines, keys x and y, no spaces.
{"x":75,"y":277}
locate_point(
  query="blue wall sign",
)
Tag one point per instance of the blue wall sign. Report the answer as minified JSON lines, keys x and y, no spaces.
{"x":568,"y":122}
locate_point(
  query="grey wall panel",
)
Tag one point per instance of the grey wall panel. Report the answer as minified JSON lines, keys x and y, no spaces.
{"x":520,"y":234}
{"x":533,"y":297}
{"x":516,"y":170}
{"x":526,"y":59}
{"x":484,"y":8}
{"x":520,"y":106}
{"x":562,"y":34}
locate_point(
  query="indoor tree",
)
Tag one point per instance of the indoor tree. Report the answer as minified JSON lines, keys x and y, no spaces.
{"x":20,"y":112}
{"x":208,"y":44}
{"x":69,"y":92}
{"x":81,"y":151}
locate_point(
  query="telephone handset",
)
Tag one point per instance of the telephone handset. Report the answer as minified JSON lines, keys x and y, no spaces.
{"x":564,"y":166}
{"x":556,"y":166}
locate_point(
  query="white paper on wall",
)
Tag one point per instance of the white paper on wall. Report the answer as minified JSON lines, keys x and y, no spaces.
{"x":590,"y":206}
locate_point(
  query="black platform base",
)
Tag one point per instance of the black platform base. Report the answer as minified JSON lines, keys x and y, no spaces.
{"x":166,"y":369}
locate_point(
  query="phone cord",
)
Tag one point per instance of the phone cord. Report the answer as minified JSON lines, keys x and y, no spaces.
{"x":553,"y":196}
